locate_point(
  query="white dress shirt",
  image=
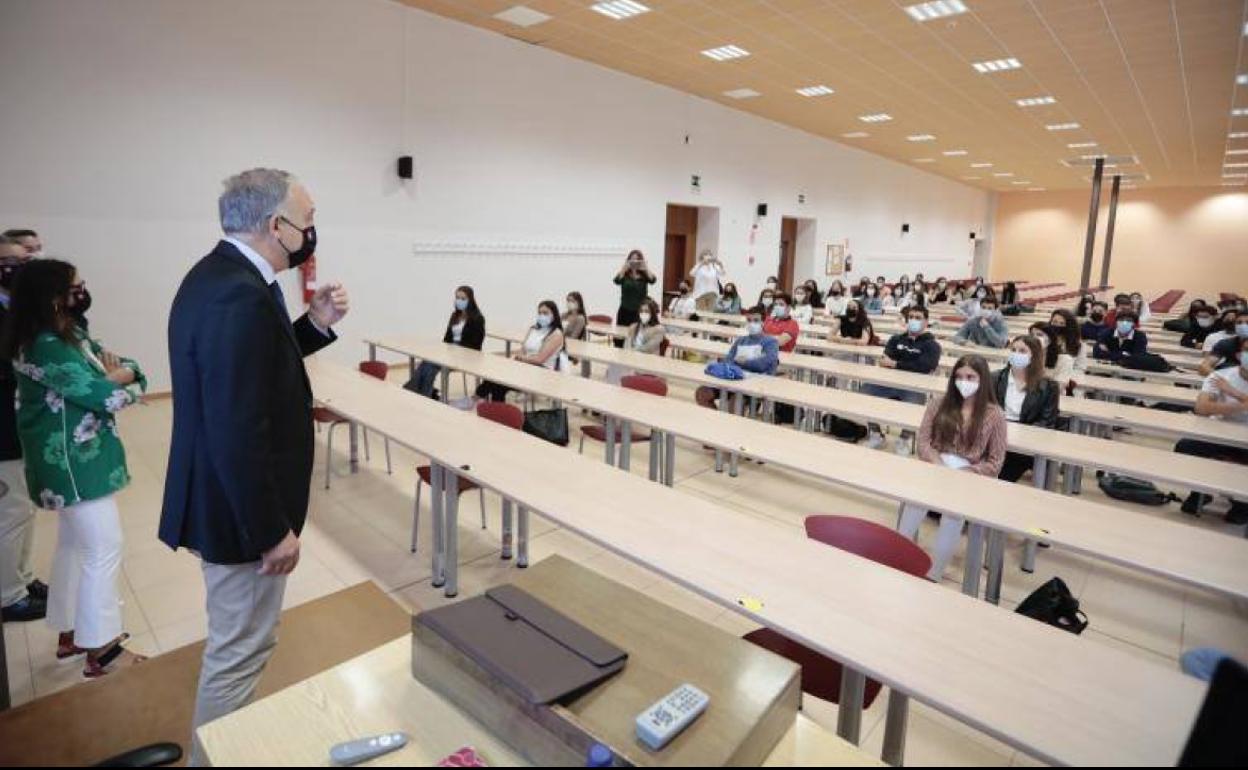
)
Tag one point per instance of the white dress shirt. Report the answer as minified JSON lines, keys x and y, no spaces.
{"x":266,"y":272}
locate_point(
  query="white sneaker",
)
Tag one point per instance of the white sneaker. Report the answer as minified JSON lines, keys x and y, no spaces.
{"x":874,"y":440}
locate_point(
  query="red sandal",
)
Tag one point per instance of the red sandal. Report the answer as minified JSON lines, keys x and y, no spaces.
{"x":65,"y":647}
{"x":100,"y":665}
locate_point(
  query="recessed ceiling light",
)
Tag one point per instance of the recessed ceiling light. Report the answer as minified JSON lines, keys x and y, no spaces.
{"x":937,"y":9}
{"x":1035,"y":101}
{"x":924,"y":160}
{"x":619,"y":9}
{"x":1237,"y":152}
{"x":1035,"y":189}
{"x":1240,"y":112}
{"x":981,"y":165}
{"x":1062,"y":126}
{"x":879,"y":117}
{"x":1021,"y":182}
{"x":725,"y":52}
{"x":997,"y":65}
{"x":1003,"y":173}
{"x":953,"y":153}
{"x":815,"y":91}
{"x":742,"y":93}
{"x":1081,"y":145}
{"x":920,"y":138}
{"x":1237,"y":135}
{"x":522,"y":16}
{"x":856,"y":135}
{"x":1242,"y":79}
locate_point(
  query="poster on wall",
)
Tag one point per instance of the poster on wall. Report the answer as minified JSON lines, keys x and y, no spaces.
{"x":836,"y":264}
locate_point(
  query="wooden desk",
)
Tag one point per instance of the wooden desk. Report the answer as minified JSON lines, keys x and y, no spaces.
{"x":1207,"y":559}
{"x":1034,"y":687}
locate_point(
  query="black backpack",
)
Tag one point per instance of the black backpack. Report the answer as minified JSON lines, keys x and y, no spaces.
{"x":1146,"y":362}
{"x":1134,"y":490}
{"x":845,"y":430}
{"x":1054,"y":604}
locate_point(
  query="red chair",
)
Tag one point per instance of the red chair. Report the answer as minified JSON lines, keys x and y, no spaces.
{"x":821,"y":675}
{"x":643,"y":382}
{"x":325,"y":416}
{"x":600,"y":318}
{"x":495,"y":411}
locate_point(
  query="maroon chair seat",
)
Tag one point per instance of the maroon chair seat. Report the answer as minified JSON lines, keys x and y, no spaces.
{"x":426,"y":473}
{"x":645,"y":383}
{"x":821,"y":675}
{"x":599,"y":433}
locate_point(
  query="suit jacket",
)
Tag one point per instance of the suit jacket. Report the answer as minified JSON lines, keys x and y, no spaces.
{"x":240,"y":462}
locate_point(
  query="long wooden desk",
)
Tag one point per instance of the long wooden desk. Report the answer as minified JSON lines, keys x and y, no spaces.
{"x":1153,"y":421}
{"x":1206,"y":559}
{"x":1039,"y":689}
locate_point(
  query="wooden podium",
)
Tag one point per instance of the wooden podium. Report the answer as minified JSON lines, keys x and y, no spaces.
{"x":754,"y":693}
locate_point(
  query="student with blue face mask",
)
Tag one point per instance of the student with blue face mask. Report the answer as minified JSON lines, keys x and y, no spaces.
{"x":543,"y":346}
{"x":914,"y":350}
{"x":756,"y":352}
{"x":986,"y":328}
{"x":1224,"y":354}
{"x":466,"y":327}
{"x":1224,"y":396}
{"x":1123,"y":340}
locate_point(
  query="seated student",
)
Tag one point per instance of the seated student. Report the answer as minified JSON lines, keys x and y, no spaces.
{"x":872,"y":301}
{"x":942,"y":290}
{"x":1224,"y":353}
{"x":1065,"y":355}
{"x":465,"y":327}
{"x":543,"y":346}
{"x":1124,"y":339}
{"x":684,"y":306}
{"x":730,"y":301}
{"x":855,"y":325}
{"x":1141,"y":308}
{"x":1122,"y":304}
{"x":887,"y":300}
{"x":916,"y":298}
{"x":812,"y":293}
{"x":780,"y":324}
{"x":959,"y":294}
{"x":773,"y":283}
{"x":964,"y":429}
{"x":1187,"y":322}
{"x":914,"y":350}
{"x":1224,"y":328}
{"x":1009,"y":295}
{"x":1085,"y":305}
{"x":647,"y":335}
{"x":755,"y":352}
{"x":902,"y":287}
{"x":879,"y":282}
{"x":860,"y":291}
{"x":987,"y":328}
{"x":765,"y":299}
{"x":1095,"y":326}
{"x":1203,"y":321}
{"x":803,"y":312}
{"x":1224,"y":396}
{"x":575,"y":320}
{"x":970,"y":307}
{"x":836,"y":301}
{"x":1027,"y":396}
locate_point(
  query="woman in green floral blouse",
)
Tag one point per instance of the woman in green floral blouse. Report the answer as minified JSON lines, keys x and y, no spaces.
{"x":69,"y":391}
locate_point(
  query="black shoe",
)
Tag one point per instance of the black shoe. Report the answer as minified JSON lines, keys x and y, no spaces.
{"x":27,"y":609}
{"x":1191,"y":506}
{"x":38,"y":589}
{"x":1238,"y":514}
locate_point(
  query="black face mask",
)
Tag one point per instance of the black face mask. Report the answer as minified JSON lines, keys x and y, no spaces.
{"x":8,"y":274}
{"x":82,"y":302}
{"x":306,"y":249}
{"x":1098,"y":316}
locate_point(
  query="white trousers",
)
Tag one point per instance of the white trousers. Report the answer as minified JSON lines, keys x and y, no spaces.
{"x":947,"y":537}
{"x":17,"y":533}
{"x":82,"y":594}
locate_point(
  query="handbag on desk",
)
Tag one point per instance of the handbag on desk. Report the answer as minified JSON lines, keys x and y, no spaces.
{"x":548,"y":424}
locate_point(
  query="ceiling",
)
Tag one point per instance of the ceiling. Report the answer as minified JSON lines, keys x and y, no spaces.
{"x":1151,"y":81}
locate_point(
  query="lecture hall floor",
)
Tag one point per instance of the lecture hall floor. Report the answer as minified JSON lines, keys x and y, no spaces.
{"x":359,"y":530}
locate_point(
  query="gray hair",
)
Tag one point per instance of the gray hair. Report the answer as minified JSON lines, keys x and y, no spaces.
{"x":250,"y":198}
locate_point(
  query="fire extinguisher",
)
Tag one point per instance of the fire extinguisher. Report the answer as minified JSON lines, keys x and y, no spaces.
{"x":307,"y":272}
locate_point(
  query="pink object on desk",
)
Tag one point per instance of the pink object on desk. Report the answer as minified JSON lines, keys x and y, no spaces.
{"x":465,"y":757}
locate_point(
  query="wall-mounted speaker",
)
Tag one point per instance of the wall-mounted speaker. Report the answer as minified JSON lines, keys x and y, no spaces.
{"x":405,"y":167}
{"x":972,"y":235}
{"x":905,"y":227}
{"x":762,"y":209}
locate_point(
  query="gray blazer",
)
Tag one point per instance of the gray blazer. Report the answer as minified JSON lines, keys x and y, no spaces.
{"x":651,"y":338}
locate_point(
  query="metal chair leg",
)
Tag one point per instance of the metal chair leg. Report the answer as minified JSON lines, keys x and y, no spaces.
{"x":329,"y":451}
{"x":416,"y":514}
{"x":482,"y":491}
{"x":389,"y":467}
{"x":368,"y":457}
{"x":894,"y":751}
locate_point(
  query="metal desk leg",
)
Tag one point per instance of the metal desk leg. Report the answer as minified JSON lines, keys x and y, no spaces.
{"x":669,"y":458}
{"x":446,"y":384}
{"x":719,"y":453}
{"x":656,"y":452}
{"x":974,"y":563}
{"x":1039,"y":471}
{"x":507,"y":536}
{"x":507,"y":348}
{"x":734,"y":459}
{"x":522,"y":547}
{"x":849,"y":712}
{"x":450,"y":487}
{"x":436,"y":501}
{"x":411,"y":366}
{"x":996,"y":565}
{"x":1029,"y":556}
{"x":353,"y":431}
{"x":1074,"y":479}
{"x":609,"y":444}
{"x":1050,"y":475}
{"x":587,"y":368}
{"x":894,"y":751}
{"x":626,"y":444}
{"x":372,"y":351}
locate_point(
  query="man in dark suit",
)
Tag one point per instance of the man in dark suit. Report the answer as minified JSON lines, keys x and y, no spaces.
{"x":240,"y":462}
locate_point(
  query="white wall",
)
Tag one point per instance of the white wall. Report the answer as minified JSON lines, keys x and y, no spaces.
{"x":122,"y":116}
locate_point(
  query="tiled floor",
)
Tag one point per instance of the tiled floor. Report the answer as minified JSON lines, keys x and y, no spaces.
{"x":360,"y":530}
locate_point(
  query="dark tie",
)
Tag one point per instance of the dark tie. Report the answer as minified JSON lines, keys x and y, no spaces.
{"x":276,"y":290}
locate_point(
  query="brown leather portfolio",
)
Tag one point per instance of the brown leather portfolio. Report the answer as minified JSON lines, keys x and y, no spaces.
{"x":539,"y":653}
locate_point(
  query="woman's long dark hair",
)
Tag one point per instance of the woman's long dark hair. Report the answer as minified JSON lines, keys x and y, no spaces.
{"x":470,"y":313}
{"x":947,"y":426}
{"x":39,"y":303}
{"x":653,"y":307}
{"x":555,"y":322}
{"x":854,"y":325}
{"x":580,"y":303}
{"x":1035,"y":370}
{"x":1070,"y":339}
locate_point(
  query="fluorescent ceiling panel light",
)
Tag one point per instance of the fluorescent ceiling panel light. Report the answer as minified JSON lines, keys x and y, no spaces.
{"x":937,"y":9}
{"x":996,"y":65}
{"x":1237,"y":135}
{"x":856,"y":135}
{"x":1035,"y":189}
{"x":924,"y":160}
{"x":981,"y":165}
{"x":1021,"y":182}
{"x":1080,"y":145}
{"x":1235,"y":165}
{"x":1035,"y":101}
{"x":1233,"y":184}
{"x":953,"y":153}
{"x":1235,"y":176}
{"x":972,"y":177}
{"x":1242,"y":79}
{"x":1062,"y":126}
{"x":742,"y":93}
{"x":879,"y":117}
{"x":1240,"y":112}
{"x":725,"y":52}
{"x":522,"y":16}
{"x":815,"y":91}
{"x":1237,"y":152}
{"x":1003,"y":173}
{"x":620,"y":9}
{"x":920,"y":138}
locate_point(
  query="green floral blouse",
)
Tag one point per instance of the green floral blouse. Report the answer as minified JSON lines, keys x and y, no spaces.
{"x":66,"y":420}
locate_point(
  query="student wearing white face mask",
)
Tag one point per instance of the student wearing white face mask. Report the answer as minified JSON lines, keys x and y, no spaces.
{"x":730,"y":302}
{"x":773,"y":284}
{"x":887,"y":300}
{"x":543,"y":346}
{"x":1224,"y":396}
{"x":765,"y":300}
{"x":647,"y":335}
{"x":986,"y":328}
{"x":802,"y":311}
{"x":965,"y":430}
{"x":756,"y":352}
{"x":1027,"y":396}
{"x":575,"y":320}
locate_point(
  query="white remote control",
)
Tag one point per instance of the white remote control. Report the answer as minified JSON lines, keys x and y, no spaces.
{"x":364,"y":749}
{"x":666,"y":719}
